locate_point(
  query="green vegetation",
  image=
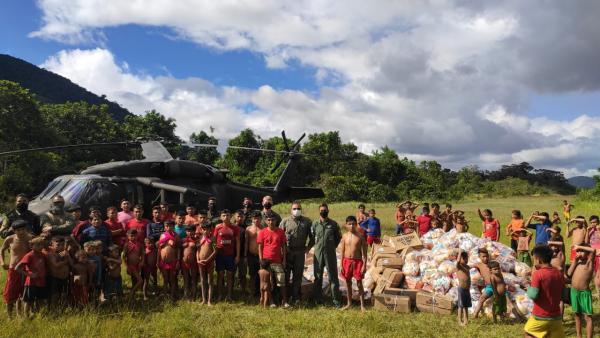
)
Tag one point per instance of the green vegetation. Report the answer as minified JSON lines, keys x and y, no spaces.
{"x":160,"y":318}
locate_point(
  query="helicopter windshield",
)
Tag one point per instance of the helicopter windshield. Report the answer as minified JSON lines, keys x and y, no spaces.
{"x":53,"y":187}
{"x":75,"y":190}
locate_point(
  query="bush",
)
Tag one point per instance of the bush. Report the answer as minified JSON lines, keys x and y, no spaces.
{"x":512,"y":187}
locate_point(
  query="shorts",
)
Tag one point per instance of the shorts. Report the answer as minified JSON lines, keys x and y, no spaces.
{"x":567,"y":215}
{"x":242,"y":268}
{"x":464,"y":298}
{"x":188,"y":266}
{"x":399,"y":229}
{"x":573,"y":254}
{"x":133,"y":269}
{"x":58,"y":286}
{"x":225,"y":263}
{"x":581,"y":301}
{"x":540,"y":328}
{"x":113,"y":286}
{"x":278,"y":273}
{"x":524,"y":257}
{"x":32,"y":293}
{"x":596,"y":263}
{"x":499,"y":304}
{"x":373,"y":239}
{"x":148,"y":270}
{"x":13,"y":289}
{"x":79,"y":294}
{"x":352,"y":267}
{"x":488,"y":291}
{"x":167,"y":266}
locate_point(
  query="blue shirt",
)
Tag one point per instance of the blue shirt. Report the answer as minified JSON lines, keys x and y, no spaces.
{"x":154,"y":230}
{"x":541,"y":235}
{"x":100,"y":233}
{"x":180,"y":231}
{"x":372,"y":226}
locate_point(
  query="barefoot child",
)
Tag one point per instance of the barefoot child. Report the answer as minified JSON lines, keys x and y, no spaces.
{"x":264,"y":275}
{"x":577,"y":233}
{"x":490,"y":225}
{"x":373,"y":228}
{"x":409,"y":224}
{"x":33,"y":267}
{"x":514,"y":227}
{"x":205,"y":257}
{"x":149,"y":270}
{"x":464,"y":288}
{"x":133,"y":255}
{"x":354,"y":255}
{"x":499,"y":289}
{"x":460,"y":223}
{"x":189,"y":266}
{"x":558,"y":256}
{"x":582,"y":272}
{"x":251,"y":254}
{"x":567,"y":207}
{"x":18,"y":245}
{"x":168,"y":258}
{"x":523,"y":242}
{"x":81,"y":277}
{"x":484,"y":271}
{"x":58,"y":264}
{"x":113,"y":283}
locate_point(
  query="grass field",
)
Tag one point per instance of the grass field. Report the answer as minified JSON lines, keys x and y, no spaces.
{"x":162,"y":318}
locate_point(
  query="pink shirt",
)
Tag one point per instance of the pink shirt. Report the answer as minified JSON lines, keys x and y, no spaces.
{"x":124,"y":217}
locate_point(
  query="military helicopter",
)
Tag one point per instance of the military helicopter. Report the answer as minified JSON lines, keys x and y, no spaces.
{"x":160,"y":178}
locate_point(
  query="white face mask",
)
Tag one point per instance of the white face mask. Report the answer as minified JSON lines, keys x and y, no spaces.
{"x":296,"y":213}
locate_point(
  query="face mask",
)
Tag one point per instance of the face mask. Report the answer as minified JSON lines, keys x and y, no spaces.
{"x":22,"y":207}
{"x":324,"y":213}
{"x":267,"y":205}
{"x":56,"y":209}
{"x":297,"y":213}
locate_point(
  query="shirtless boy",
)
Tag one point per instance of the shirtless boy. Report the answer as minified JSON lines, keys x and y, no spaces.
{"x":464,"y":288}
{"x":33,"y":267}
{"x":133,"y":256}
{"x":81,"y":279}
{"x":484,"y":271}
{"x":264,"y":275}
{"x":577,"y":233}
{"x":409,"y":224}
{"x":149,"y":270}
{"x":354,"y":256}
{"x":567,"y":207}
{"x":581,"y":273}
{"x":189,"y":266}
{"x":460,"y":223}
{"x":18,"y":245}
{"x":499,"y":290}
{"x":168,"y":258}
{"x":113,"y":284}
{"x":558,"y":256}
{"x":251,"y":253}
{"x":59,"y":262}
{"x":205,"y":257}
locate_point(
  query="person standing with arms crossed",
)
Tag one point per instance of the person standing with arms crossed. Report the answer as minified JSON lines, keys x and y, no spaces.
{"x":327,"y":237}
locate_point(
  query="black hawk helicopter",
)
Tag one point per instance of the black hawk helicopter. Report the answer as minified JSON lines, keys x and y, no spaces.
{"x":160,"y":178}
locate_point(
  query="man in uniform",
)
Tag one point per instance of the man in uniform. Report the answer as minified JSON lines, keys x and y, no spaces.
{"x":327,"y":237}
{"x":20,"y":212}
{"x":299,"y":241}
{"x":247,"y":207}
{"x":56,"y":221}
{"x":213,"y":215}
{"x":267,"y":203}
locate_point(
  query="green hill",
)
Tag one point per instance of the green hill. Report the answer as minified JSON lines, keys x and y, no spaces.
{"x":50,"y":87}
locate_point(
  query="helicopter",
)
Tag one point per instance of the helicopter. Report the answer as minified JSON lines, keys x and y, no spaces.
{"x":160,"y":178}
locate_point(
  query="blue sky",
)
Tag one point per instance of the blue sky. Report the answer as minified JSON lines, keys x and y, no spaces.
{"x":366,"y":69}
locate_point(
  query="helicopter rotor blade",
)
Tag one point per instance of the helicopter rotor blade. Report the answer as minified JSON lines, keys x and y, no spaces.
{"x":298,"y":142}
{"x":66,"y":147}
{"x":285,"y":141}
{"x":204,"y":145}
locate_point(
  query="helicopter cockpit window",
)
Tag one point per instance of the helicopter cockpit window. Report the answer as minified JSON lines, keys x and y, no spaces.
{"x":53,"y":188}
{"x":76,"y":191}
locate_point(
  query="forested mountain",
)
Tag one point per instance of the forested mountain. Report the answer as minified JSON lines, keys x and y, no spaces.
{"x":49,"y":87}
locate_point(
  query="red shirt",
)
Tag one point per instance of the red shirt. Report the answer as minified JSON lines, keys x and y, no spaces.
{"x":168,"y":216}
{"x":36,"y":263}
{"x":82,"y":225}
{"x":424,"y":224}
{"x":116,"y":225}
{"x":272,"y":241}
{"x":140,"y":226}
{"x":550,"y":282}
{"x":490,"y":229}
{"x":226,"y":235}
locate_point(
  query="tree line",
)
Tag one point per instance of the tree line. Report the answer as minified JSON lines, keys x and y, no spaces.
{"x":339,"y":168}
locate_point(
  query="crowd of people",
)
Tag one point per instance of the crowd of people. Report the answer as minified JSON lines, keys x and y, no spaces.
{"x":60,"y":259}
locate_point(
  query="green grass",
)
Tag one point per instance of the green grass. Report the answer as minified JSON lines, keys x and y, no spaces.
{"x":162,"y":318}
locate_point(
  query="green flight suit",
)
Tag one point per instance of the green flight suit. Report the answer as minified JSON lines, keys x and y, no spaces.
{"x":299,"y":239}
{"x":327,"y":237}
{"x":60,"y":224}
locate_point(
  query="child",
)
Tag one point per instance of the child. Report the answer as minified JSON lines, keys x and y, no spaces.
{"x":524,"y":240}
{"x":558,"y":256}
{"x":264,"y":274}
{"x":354,"y":255}
{"x":81,"y":278}
{"x":149,"y":269}
{"x":578,"y":233}
{"x":555,"y":236}
{"x":399,"y":217}
{"x":373,"y":228}
{"x":189,"y":266}
{"x":94,"y":269}
{"x":447,"y":218}
{"x":205,"y":256}
{"x":545,"y":291}
{"x":499,"y":289}
{"x":18,"y":245}
{"x":113,"y":283}
{"x":33,"y":267}
{"x":133,"y":255}
{"x":555,"y":219}
{"x":251,"y":253}
{"x":460,"y":224}
{"x":59,"y":262}
{"x":567,"y":207}
{"x":464,"y":288}
{"x":424,"y":220}
{"x":490,"y":225}
{"x":180,"y":224}
{"x":514,"y":227}
{"x":485,"y":273}
{"x":361,"y":215}
{"x":168,"y":258}
{"x":409,"y":224}
{"x":582,"y":272}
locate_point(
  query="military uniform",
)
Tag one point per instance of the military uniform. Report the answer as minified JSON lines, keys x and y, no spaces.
{"x":273,"y":214}
{"x":33,"y":222}
{"x":327,"y":237}
{"x":61,"y":224}
{"x":299,"y":238}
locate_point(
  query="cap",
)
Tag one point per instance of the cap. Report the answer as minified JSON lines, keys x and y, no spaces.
{"x":18,"y":224}
{"x":73,"y":208}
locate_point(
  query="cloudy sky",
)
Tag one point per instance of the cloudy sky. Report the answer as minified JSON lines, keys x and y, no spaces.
{"x":462,"y":82}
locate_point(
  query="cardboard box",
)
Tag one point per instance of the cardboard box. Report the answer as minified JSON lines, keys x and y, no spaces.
{"x":393,"y":303}
{"x":392,"y":262}
{"x":406,"y":241}
{"x":430,"y":302}
{"x":376,"y":260}
{"x":391,"y":277}
{"x":410,"y":293}
{"x":375,"y":272}
{"x":381,"y":249}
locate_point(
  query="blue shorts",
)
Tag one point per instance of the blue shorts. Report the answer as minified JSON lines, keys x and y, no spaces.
{"x":225,"y":263}
{"x":464,"y":298}
{"x":488,"y":291}
{"x":113,"y":286}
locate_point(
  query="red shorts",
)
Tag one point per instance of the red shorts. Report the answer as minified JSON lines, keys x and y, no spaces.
{"x":573,"y":253}
{"x":373,"y":239}
{"x":188,"y":266}
{"x":352,"y":268}
{"x":79,"y":294}
{"x":133,"y":269}
{"x":596,"y":263}
{"x":167,"y":266}
{"x":13,"y":289}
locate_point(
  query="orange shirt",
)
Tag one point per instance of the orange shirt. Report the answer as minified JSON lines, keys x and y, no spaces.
{"x":191,"y":220}
{"x":515,"y":225}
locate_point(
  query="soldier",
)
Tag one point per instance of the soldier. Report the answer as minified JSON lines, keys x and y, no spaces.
{"x":248,"y":210}
{"x":20,"y":212}
{"x":213,"y":215}
{"x":56,"y":221}
{"x":327,"y":237}
{"x":267,"y":203}
{"x":299,"y":241}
